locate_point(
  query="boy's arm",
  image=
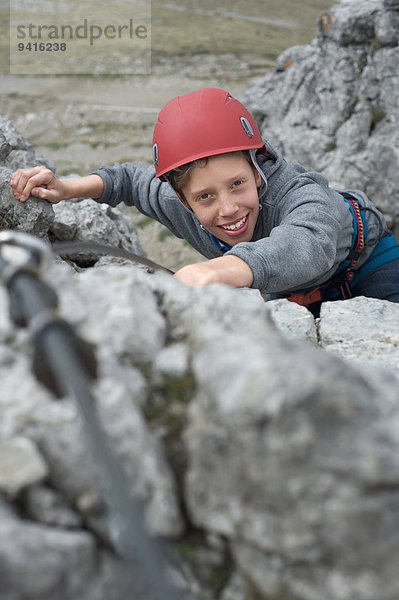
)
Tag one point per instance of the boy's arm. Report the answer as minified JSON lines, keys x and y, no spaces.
{"x":25,"y":182}
{"x":230,"y":270}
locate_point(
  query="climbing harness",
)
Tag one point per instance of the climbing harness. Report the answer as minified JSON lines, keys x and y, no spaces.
{"x":66,"y":364}
{"x":338,"y":287}
{"x":386,"y":250}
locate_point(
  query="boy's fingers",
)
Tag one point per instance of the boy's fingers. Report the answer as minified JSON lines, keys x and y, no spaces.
{"x":46,"y":194}
{"x":28,"y":181}
{"x":40,"y":192}
{"x":20,"y":177}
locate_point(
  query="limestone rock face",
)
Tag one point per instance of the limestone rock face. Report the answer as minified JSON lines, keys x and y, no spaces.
{"x":279,"y":441}
{"x":79,"y":220}
{"x":85,"y":220}
{"x":370,"y":341}
{"x":35,"y":216}
{"x":258,"y":460}
{"x":15,"y":151}
{"x":334,"y":105}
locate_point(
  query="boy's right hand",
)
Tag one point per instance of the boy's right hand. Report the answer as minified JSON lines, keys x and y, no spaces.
{"x":25,"y":182}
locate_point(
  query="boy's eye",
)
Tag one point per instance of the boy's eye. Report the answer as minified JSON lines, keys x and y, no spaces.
{"x":204,"y":197}
{"x":237,"y":183}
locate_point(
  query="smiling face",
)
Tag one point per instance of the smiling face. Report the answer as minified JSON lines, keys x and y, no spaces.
{"x":223,"y":193}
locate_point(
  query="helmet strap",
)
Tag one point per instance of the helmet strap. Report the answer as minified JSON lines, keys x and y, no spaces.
{"x":252,"y":153}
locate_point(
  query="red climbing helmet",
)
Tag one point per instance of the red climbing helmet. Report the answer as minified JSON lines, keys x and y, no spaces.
{"x":200,"y":124}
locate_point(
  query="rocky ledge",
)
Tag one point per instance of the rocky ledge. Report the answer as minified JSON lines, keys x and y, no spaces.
{"x":262,"y":445}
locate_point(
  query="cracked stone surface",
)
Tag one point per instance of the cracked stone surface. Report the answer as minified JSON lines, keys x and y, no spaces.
{"x":239,"y":410}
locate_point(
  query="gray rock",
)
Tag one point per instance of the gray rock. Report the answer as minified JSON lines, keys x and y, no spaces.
{"x":293,"y":321}
{"x":237,"y":589}
{"x":391,"y":4}
{"x":353,"y":23}
{"x":46,"y":505}
{"x":287,"y":486}
{"x":274,"y":446}
{"x":86,"y":220}
{"x":172,"y":361}
{"x":21,"y":395}
{"x":21,"y":465}
{"x":364,"y":331}
{"x":5,"y":147}
{"x":137,"y":450}
{"x":33,"y":216}
{"x":127,"y":302}
{"x":73,"y":468}
{"x":15,"y":150}
{"x":55,"y":427}
{"x":47,"y":563}
{"x":11,"y":138}
{"x":333,"y":105}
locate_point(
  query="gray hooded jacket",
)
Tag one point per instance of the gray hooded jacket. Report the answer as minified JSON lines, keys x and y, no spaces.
{"x":303,"y":233}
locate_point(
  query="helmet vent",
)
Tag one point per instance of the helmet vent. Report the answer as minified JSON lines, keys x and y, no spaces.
{"x":247,"y":127}
{"x":155,"y":154}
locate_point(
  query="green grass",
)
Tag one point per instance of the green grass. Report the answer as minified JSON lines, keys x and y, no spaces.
{"x":163,"y":234}
{"x":144,"y":222}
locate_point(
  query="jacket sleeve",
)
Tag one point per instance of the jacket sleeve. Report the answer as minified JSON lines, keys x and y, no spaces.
{"x":136,"y":185}
{"x":311,"y":237}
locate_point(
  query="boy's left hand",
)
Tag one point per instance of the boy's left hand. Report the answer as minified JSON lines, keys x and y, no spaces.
{"x":230,"y":270}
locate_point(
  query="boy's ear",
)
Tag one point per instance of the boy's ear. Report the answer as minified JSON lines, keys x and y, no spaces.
{"x":258,"y":178}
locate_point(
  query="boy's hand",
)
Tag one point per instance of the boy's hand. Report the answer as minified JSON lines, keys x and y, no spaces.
{"x":25,"y":182}
{"x":230,"y":270}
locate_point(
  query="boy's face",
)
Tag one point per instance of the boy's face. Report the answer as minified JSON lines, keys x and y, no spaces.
{"x":223,"y":193}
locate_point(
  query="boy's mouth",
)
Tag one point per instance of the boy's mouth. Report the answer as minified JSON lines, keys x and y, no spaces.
{"x":237,"y":227}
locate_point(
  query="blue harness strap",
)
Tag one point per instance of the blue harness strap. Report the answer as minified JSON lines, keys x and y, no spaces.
{"x":386,"y":250}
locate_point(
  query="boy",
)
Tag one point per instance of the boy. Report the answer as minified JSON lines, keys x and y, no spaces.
{"x":260,"y":221}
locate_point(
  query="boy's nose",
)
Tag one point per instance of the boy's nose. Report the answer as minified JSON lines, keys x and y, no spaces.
{"x":227,"y":206}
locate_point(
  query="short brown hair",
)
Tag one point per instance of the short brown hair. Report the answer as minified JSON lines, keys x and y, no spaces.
{"x":179,"y":176}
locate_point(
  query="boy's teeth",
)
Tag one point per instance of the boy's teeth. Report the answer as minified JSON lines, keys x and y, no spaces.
{"x":236,"y":225}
